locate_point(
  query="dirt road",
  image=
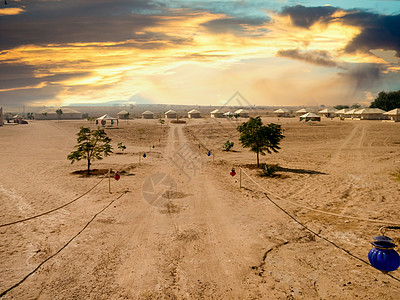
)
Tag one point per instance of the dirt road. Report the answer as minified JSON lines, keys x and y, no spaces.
{"x":179,"y":228}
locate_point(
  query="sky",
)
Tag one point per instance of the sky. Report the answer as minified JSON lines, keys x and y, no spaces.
{"x":275,"y":53}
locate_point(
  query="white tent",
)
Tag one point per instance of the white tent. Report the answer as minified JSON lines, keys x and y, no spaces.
{"x":242,"y":113}
{"x":310,"y":117}
{"x":229,"y":114}
{"x":341,"y":112}
{"x":194,"y":113}
{"x":282,"y":111}
{"x":123,"y":114}
{"x":351,"y":113}
{"x":370,"y":113}
{"x":104,"y":118}
{"x":216,"y":113}
{"x":393,"y":114}
{"x":328,"y":112}
{"x":147,"y":114}
{"x":301,"y":111}
{"x":170,"y":114}
{"x":51,"y":114}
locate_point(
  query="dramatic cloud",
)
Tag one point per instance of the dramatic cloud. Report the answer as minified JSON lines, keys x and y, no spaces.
{"x":77,"y":21}
{"x":320,"y":58}
{"x":377,"y":32}
{"x":307,"y":16}
{"x":184,"y":51}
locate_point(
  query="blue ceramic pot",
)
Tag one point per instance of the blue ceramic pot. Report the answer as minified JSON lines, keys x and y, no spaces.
{"x":383,"y":256}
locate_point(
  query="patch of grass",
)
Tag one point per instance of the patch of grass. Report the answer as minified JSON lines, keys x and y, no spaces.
{"x":269,"y":170}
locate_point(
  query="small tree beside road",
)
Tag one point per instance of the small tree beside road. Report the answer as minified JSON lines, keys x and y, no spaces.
{"x":59,"y":113}
{"x":260,"y":138}
{"x":92,"y":145}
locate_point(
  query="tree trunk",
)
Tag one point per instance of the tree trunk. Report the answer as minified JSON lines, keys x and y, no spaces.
{"x":88,"y":166}
{"x":258,"y":159}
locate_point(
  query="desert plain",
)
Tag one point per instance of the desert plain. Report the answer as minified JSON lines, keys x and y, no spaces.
{"x":177,"y":225}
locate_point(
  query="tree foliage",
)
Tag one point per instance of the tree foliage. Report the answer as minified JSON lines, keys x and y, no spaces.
{"x":228,"y":145}
{"x":260,"y":138}
{"x":59,"y":113}
{"x":387,"y":101}
{"x":121,"y":146}
{"x":92,"y":145}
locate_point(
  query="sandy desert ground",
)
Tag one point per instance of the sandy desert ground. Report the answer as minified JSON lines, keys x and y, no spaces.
{"x":177,"y":225}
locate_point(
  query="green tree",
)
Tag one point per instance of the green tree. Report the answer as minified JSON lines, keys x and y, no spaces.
{"x":260,"y":138}
{"x":228,"y":145}
{"x":59,"y":113}
{"x":387,"y":101}
{"x":340,"y":106}
{"x":92,"y":145}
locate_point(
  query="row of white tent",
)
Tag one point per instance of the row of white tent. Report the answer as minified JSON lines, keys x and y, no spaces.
{"x":357,"y":113}
{"x":194,"y":113}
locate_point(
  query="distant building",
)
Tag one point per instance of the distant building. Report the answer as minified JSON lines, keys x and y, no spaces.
{"x":394,"y":115}
{"x":147,"y":114}
{"x":51,"y":114}
{"x":282,"y":112}
{"x":123,"y":114}
{"x":194,"y":114}
{"x":310,"y":117}
{"x":229,"y":114}
{"x":171,"y":114}
{"x":301,"y":111}
{"x":106,"y":118}
{"x":371,"y":114}
{"x":216,"y":113}
{"x":341,"y":113}
{"x":242,"y":113}
{"x":328,"y":112}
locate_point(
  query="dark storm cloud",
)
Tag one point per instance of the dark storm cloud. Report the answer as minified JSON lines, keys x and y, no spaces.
{"x":233,"y":25}
{"x":305,"y":17}
{"x":27,"y":96}
{"x":81,"y":21}
{"x":377,"y":32}
{"x":320,"y":58}
{"x":14,"y":75}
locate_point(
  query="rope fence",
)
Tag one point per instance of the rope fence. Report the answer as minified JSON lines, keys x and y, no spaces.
{"x":312,"y":231}
{"x":62,"y":248}
{"x":54,"y":209}
{"x":319,"y":210}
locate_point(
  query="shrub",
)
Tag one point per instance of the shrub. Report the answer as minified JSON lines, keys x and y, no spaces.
{"x":228,"y":145}
{"x":269,"y":170}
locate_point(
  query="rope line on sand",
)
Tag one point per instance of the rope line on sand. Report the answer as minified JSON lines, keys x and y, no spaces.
{"x":62,"y":248}
{"x":54,"y":209}
{"x":319,"y":210}
{"x":315,"y":233}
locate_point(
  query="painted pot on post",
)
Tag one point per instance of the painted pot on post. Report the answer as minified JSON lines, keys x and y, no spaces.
{"x":383,"y":256}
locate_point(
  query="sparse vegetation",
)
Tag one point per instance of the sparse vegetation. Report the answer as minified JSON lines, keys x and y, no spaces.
{"x":92,"y":145}
{"x":269,"y":170}
{"x":228,"y":145}
{"x":59,"y":113}
{"x":260,"y":138}
{"x":121,"y":146}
